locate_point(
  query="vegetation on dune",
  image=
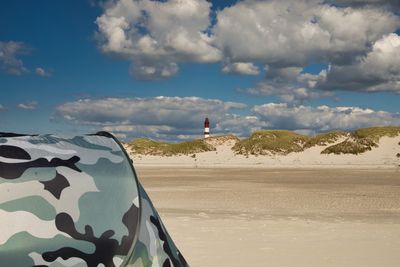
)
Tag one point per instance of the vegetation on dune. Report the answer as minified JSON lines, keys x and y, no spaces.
{"x":284,"y":142}
{"x":221,"y":139}
{"x":350,"y":146}
{"x":145,"y":146}
{"x":362,"y":140}
{"x":265,"y":142}
{"x":375,"y":133}
{"x":325,"y":139}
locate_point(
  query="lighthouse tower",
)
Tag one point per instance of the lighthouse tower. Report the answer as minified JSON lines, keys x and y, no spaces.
{"x":206,"y":128}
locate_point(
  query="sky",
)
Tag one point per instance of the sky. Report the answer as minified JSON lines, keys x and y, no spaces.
{"x":146,"y":68}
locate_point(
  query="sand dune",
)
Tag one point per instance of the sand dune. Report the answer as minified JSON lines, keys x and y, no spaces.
{"x":383,"y":156}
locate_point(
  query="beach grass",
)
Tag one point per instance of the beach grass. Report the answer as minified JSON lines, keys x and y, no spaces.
{"x":271,"y":142}
{"x":375,"y":133}
{"x":146,"y":146}
{"x":264,"y":142}
{"x":283,"y":142}
{"x":325,"y":138}
{"x":220,"y":139}
{"x":350,"y":146}
{"x":362,"y":140}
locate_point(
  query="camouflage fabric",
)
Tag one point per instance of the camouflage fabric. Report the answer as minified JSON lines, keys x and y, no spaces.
{"x":76,"y":202}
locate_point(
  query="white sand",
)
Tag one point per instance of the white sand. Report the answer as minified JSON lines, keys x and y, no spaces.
{"x":383,"y":156}
{"x":302,"y":209}
{"x":276,"y":217}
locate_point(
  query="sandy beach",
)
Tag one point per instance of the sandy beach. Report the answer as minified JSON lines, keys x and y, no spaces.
{"x":279,"y":217}
{"x":382,"y":156}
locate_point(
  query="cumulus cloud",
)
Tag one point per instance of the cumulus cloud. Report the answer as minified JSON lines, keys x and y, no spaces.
{"x":180,"y":118}
{"x":156,"y":35}
{"x":42,"y":72}
{"x":9,"y":61}
{"x":291,"y":33}
{"x":159,"y":117}
{"x":2,"y":108}
{"x":158,"y":132}
{"x":241,"y":68}
{"x":322,"y":118}
{"x":288,"y":93}
{"x":393,"y":5}
{"x":242,"y":126}
{"x":153,"y":70}
{"x":290,"y":85}
{"x":162,"y":110}
{"x":378,"y":70}
{"x":28,"y":105}
{"x":355,"y":37}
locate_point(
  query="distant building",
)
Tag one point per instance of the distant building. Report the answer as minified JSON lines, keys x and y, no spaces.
{"x":206,"y":128}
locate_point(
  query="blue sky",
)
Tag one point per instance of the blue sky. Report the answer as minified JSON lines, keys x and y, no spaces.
{"x":82,"y":66}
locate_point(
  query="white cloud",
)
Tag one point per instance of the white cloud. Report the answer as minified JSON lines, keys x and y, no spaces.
{"x":322,"y":118}
{"x":162,"y":110}
{"x":378,"y":70}
{"x":290,"y":85}
{"x":159,"y":132}
{"x":311,"y":80}
{"x":242,"y":126}
{"x":353,"y":36}
{"x":154,"y":71}
{"x":356,"y":39}
{"x":180,"y":118}
{"x":241,"y":68}
{"x":42,"y":72}
{"x":291,"y":33}
{"x":2,"y":108}
{"x":159,"y":117}
{"x":9,"y":63}
{"x":28,"y":105}
{"x":393,"y":5}
{"x":288,"y":93}
{"x":157,"y":36}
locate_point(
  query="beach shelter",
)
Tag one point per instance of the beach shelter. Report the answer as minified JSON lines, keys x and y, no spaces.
{"x":75,"y":202}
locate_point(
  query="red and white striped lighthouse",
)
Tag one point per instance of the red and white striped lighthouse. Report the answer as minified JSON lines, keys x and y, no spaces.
{"x":206,"y":128}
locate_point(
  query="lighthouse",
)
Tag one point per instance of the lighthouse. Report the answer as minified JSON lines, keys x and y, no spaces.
{"x":206,"y":128}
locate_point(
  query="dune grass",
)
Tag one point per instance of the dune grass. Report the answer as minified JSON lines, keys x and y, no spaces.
{"x":362,"y":140}
{"x":220,"y":139}
{"x":145,"y":146}
{"x":266,"y":142}
{"x":325,"y":139}
{"x":283,"y":142}
{"x":375,"y":133}
{"x":350,"y":146}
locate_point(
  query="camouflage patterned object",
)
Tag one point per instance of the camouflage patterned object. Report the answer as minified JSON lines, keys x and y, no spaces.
{"x":75,"y":202}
